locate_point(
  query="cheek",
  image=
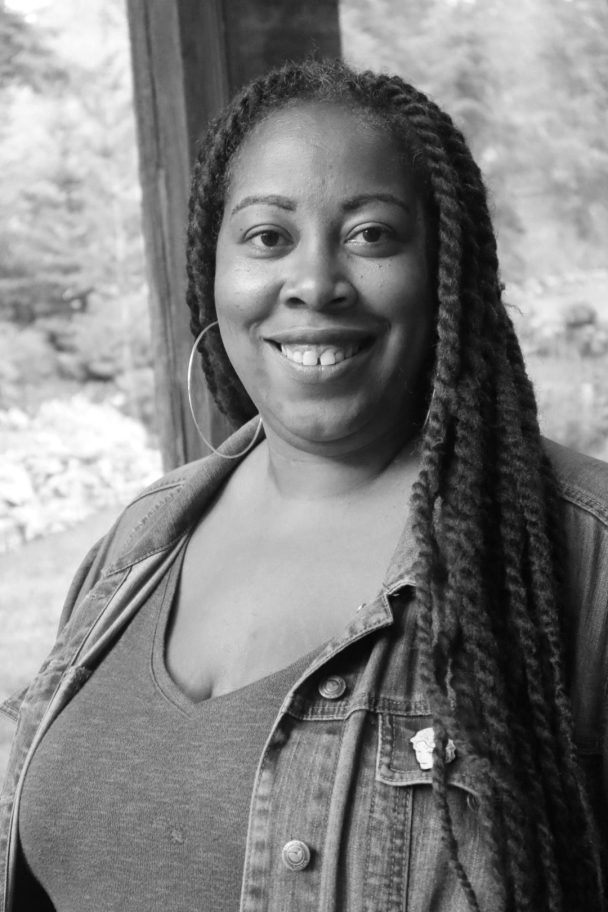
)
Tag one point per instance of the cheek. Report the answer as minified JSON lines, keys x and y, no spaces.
{"x":411,"y":314}
{"x":407,"y":306}
{"x":241,"y":293}
{"x":395,"y":286}
{"x":242,"y":355}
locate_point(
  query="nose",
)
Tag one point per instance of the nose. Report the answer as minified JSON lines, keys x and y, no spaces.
{"x":316,"y":279}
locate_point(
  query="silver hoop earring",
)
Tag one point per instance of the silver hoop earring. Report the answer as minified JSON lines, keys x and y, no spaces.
{"x":189,"y":382}
{"x":425,"y":423}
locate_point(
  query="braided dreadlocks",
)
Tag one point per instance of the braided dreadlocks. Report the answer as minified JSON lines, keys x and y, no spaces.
{"x":486,"y":515}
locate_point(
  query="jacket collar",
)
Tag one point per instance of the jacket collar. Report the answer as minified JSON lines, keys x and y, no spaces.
{"x":401,"y":568}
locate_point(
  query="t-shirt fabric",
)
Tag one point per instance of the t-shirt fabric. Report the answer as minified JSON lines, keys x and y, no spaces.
{"x":138,"y":798}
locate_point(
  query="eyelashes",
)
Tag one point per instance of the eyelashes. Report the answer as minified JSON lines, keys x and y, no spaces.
{"x":372,"y":235}
{"x":268,"y":238}
{"x":369,"y":238}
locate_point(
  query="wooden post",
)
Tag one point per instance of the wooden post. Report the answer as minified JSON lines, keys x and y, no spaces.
{"x":188,"y":58}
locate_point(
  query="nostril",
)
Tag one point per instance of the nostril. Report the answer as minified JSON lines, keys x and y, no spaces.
{"x":317,"y":293}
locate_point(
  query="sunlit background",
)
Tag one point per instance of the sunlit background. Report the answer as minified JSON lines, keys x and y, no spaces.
{"x":526,"y":81}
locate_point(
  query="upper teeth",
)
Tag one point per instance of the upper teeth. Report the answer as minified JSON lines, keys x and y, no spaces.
{"x":309,"y":355}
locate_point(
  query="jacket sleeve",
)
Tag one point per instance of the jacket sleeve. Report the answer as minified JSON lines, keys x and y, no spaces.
{"x":111,"y":547}
{"x":119,"y":537}
{"x":86,"y":576}
{"x":84,"y":579}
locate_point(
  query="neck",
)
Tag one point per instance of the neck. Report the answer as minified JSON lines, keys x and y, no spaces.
{"x":295,"y":474}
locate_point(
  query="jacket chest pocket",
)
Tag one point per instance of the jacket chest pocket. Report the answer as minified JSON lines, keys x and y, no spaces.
{"x":408,"y":867}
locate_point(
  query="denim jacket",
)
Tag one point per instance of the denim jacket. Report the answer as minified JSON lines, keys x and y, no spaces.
{"x":342,"y":815}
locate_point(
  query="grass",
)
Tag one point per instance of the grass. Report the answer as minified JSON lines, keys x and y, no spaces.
{"x":33,"y":583}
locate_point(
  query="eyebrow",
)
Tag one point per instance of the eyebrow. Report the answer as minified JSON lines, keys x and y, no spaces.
{"x":358,"y":201}
{"x":283,"y":202}
{"x":349,"y":205}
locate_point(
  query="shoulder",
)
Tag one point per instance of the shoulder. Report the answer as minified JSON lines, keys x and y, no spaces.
{"x":160,"y":515}
{"x":582,"y":481}
{"x":582,"y":484}
{"x":142,"y":510}
{"x":583,"y":487}
{"x":152,"y":523}
{"x":163,"y":512}
{"x":170,"y":506}
{"x":165,"y":489}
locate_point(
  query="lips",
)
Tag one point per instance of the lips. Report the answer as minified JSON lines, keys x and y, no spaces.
{"x":316,"y":347}
{"x":324,"y":355}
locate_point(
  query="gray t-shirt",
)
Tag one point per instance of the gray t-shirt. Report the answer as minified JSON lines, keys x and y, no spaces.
{"x":138,"y":798}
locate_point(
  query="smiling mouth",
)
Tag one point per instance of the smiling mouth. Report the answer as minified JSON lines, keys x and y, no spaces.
{"x":309,"y":355}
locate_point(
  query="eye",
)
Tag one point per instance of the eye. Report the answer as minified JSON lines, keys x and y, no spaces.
{"x":372,"y":236}
{"x":267,"y":239}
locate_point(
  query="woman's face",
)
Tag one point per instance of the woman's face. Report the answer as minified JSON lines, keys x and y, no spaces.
{"x":322,"y":286}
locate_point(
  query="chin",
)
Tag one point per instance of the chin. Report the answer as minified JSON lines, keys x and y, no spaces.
{"x":318,"y":426}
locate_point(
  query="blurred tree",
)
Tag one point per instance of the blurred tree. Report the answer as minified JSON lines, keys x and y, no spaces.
{"x":528,"y":85}
{"x":573,"y":126}
{"x":449,"y":51}
{"x":25,"y":56}
{"x":68,"y":175}
{"x":71,"y":238}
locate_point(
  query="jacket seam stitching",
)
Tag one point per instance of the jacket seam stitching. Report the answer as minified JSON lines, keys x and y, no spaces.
{"x":144,"y":519}
{"x":584,"y":501}
{"x":166,"y":546}
{"x":9,"y":713}
{"x":150,"y":492}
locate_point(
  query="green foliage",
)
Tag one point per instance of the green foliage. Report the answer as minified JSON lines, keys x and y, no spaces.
{"x":112,"y":337}
{"x":68,"y":174}
{"x":27,"y":365}
{"x":71,"y":253}
{"x":107,"y":347}
{"x":25,"y":56}
{"x":573,"y":125}
{"x":528,"y":84}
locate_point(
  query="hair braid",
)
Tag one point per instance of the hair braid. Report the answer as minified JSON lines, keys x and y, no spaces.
{"x":464,"y":553}
{"x":485,"y":504}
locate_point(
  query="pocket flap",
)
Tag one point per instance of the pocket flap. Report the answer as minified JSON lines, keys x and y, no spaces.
{"x":397,"y":763}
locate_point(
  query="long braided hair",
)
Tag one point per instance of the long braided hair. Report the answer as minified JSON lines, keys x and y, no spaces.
{"x":486,"y":514}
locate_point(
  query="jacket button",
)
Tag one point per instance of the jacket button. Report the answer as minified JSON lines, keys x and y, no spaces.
{"x":332,"y":688}
{"x":295,"y":855}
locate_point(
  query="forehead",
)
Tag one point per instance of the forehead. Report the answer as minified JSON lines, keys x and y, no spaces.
{"x":323,"y":146}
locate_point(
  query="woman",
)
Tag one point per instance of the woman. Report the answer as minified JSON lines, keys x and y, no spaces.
{"x":219,"y":723}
